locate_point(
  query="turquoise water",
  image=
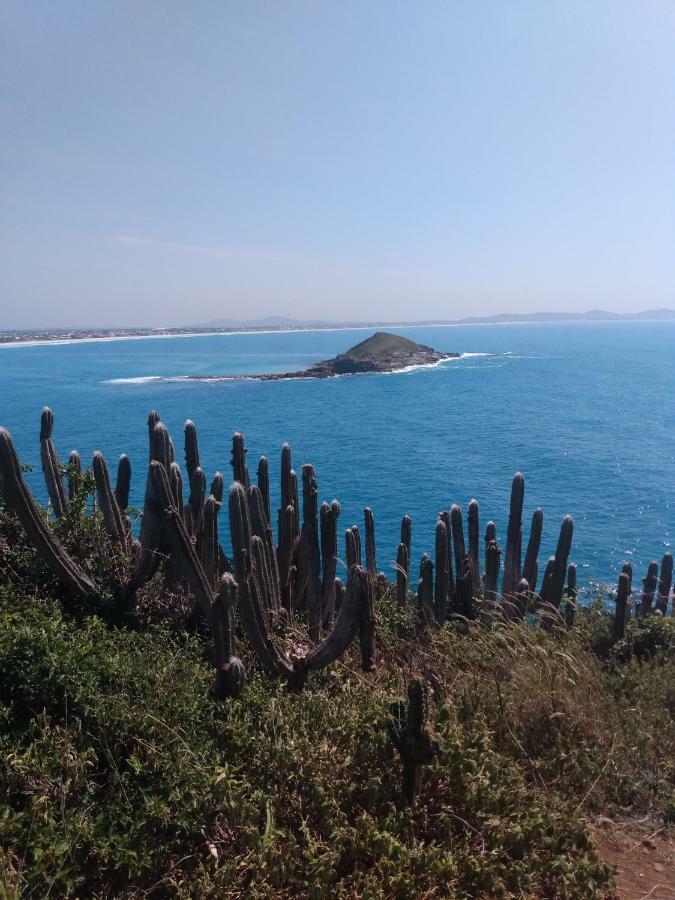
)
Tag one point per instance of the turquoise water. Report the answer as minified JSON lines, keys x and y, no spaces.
{"x":585,"y":411}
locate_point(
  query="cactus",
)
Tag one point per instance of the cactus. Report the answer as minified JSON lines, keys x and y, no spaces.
{"x":114,"y":521}
{"x":530,"y":567}
{"x":462,"y":602}
{"x":123,"y":482}
{"x":492,"y":560}
{"x":474,"y":531}
{"x":264,"y":485}
{"x":176,"y":484}
{"x":371,"y":561}
{"x":445,"y":518}
{"x":627,"y":569}
{"x":516,"y":605}
{"x":238,"y":463}
{"x":412,"y":737}
{"x":425,"y":590}
{"x":153,"y":419}
{"x":551,"y":592}
{"x":571,"y":593}
{"x":622,"y":607}
{"x":51,"y":466}
{"x":218,"y":488}
{"x":665,"y":581}
{"x":350,"y":548}
{"x":191,"y":448}
{"x":457,"y":539}
{"x":261,"y":527}
{"x":514,"y":537}
{"x":490,"y":533}
{"x":209,"y":550}
{"x":366,"y":620}
{"x":230,"y":678}
{"x":649,"y":584}
{"x":75,"y":473}
{"x":160,"y":446}
{"x":308,"y":579}
{"x":441,"y":584}
{"x":402,"y":568}
{"x":296,"y":506}
{"x":20,"y":501}
{"x":284,"y":557}
{"x":329,"y":556}
{"x":406,"y":538}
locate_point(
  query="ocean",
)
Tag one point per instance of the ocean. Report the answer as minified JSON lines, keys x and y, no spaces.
{"x":584,"y":410}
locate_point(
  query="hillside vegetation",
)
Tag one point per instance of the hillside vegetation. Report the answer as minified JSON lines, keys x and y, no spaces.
{"x":120,"y":775}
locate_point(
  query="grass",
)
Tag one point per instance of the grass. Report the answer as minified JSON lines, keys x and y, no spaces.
{"x":121,"y":776}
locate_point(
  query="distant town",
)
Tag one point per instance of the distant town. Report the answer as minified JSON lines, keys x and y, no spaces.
{"x":279,"y":323}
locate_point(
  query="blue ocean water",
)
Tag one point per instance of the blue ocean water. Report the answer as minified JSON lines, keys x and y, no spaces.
{"x":585,"y":411}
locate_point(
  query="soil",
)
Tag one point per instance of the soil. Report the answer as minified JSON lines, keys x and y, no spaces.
{"x":643,"y":854}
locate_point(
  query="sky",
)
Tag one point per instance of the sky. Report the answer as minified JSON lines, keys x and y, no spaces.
{"x":168,"y":163}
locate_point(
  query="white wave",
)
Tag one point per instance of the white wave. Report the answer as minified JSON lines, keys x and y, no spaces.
{"x":466,"y":355}
{"x":143,"y":379}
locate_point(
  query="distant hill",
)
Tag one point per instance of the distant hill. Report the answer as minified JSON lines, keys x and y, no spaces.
{"x":593,"y":315}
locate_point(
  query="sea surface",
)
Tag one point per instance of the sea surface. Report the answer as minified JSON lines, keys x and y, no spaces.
{"x":586,"y":411}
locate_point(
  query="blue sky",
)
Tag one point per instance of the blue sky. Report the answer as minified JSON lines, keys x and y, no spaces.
{"x":167,"y":163}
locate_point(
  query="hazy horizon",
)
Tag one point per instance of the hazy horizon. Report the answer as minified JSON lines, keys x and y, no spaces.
{"x":168,"y":165}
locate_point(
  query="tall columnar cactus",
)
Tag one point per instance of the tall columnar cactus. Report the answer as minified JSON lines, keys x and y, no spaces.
{"x":329,"y":556}
{"x":425,"y":590}
{"x":74,"y":474}
{"x":113,"y":519}
{"x":308,"y":579}
{"x":463,"y":600}
{"x":492,"y":560}
{"x":649,"y":584}
{"x":209,"y":550}
{"x":571,"y":593}
{"x":406,"y":538}
{"x":51,"y":465}
{"x":296,"y":505}
{"x":490,"y":533}
{"x":457,"y":539}
{"x":514,"y":536}
{"x":530,"y":566}
{"x":665,"y":581}
{"x":369,"y":521}
{"x":351,"y":554}
{"x":474,"y":541}
{"x":622,"y":607}
{"x":546,"y":581}
{"x":402,"y":569}
{"x":412,"y":737}
{"x":444,"y":516}
{"x":238,"y":463}
{"x":153,"y":419}
{"x":366,"y":620}
{"x":627,"y":569}
{"x":123,"y":482}
{"x":20,"y":501}
{"x":441,"y":582}
{"x":191,"y":448}
{"x":264,"y":485}
{"x":230,"y":677}
{"x":552,"y":592}
{"x":218,"y":488}
{"x":285,"y":557}
{"x":176,"y":484}
{"x":261,"y":527}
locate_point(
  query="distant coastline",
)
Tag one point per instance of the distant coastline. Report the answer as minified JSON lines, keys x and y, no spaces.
{"x":41,"y":337}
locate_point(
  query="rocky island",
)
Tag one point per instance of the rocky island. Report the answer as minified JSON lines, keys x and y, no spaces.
{"x":382,"y":352}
